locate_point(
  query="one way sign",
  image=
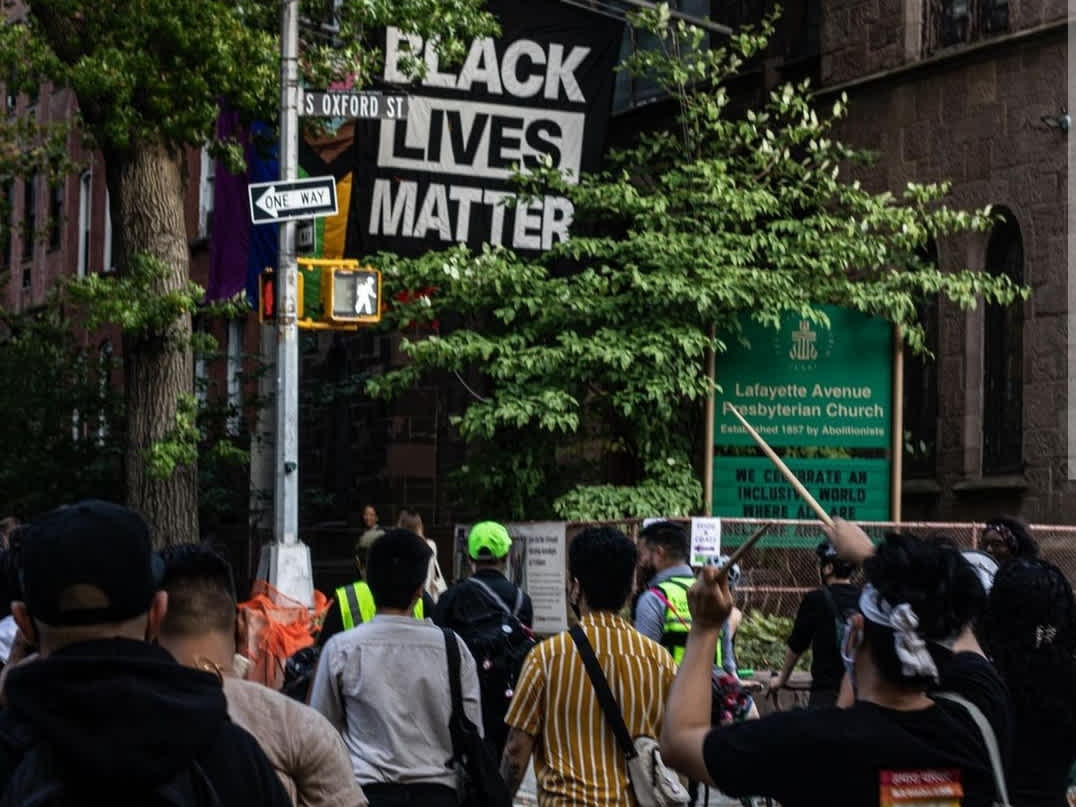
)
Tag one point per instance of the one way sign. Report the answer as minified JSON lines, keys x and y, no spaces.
{"x":299,"y":199}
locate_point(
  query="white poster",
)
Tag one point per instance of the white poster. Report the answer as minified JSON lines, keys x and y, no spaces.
{"x":705,"y":540}
{"x":544,"y":561}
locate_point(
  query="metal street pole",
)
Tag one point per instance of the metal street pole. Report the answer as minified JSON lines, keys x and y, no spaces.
{"x":286,"y":480}
{"x":287,"y":561}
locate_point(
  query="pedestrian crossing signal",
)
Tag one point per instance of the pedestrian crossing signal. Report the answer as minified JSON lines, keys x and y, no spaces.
{"x":267,"y":299}
{"x":351,"y":294}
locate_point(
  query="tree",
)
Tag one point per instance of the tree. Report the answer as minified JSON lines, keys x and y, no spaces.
{"x":722,"y":215}
{"x":63,"y":419}
{"x":150,"y":78}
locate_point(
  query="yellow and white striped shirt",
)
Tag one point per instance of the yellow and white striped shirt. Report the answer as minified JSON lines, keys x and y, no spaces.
{"x":576,"y":758}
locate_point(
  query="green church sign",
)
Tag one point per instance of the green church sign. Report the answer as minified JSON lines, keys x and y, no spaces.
{"x":805,"y":386}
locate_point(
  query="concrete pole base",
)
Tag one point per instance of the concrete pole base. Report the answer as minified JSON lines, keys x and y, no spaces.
{"x":288,"y":569}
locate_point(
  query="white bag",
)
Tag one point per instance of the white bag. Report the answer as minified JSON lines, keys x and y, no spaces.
{"x":654,"y":784}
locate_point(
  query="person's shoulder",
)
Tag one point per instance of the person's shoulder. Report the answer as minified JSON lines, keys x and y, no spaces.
{"x":290,"y":713}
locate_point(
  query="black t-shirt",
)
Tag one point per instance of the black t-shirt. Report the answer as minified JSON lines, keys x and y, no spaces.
{"x":816,"y":627}
{"x":1039,"y":769}
{"x":465,"y":601}
{"x":836,"y":757}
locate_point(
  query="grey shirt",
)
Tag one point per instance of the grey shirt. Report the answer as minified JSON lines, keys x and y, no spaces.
{"x":650,"y":614}
{"x":384,"y":686}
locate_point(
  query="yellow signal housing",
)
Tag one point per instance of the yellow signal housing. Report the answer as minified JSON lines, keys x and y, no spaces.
{"x":351,"y":294}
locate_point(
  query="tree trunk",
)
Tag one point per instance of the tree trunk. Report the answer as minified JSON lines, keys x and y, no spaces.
{"x":147,"y":185}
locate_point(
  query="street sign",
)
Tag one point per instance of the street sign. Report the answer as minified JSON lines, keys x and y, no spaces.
{"x":298,"y":199}
{"x":365,"y":105}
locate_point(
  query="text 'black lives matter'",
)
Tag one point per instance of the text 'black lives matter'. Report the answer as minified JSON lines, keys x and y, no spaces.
{"x":539,"y":95}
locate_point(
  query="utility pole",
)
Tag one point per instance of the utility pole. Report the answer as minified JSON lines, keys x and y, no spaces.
{"x":286,"y":562}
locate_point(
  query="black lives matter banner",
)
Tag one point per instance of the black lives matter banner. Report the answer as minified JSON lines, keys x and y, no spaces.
{"x":541,"y":93}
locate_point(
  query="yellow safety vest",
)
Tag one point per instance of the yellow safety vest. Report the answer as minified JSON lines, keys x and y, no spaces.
{"x":678,"y":617}
{"x":358,"y":599}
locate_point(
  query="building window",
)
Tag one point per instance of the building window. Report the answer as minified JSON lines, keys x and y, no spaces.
{"x":235,"y":374}
{"x":630,"y":91}
{"x":953,"y":22}
{"x":1003,"y":357}
{"x":56,"y":215}
{"x":29,"y":217}
{"x":104,"y":378}
{"x":921,"y":391}
{"x":85,"y":187}
{"x":205,"y":194}
{"x":106,"y":263}
{"x":7,"y":199}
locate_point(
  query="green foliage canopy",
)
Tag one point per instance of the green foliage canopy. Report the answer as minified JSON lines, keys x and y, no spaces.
{"x":723,"y":214}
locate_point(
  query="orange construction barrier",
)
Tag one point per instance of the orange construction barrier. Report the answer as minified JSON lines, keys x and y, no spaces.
{"x":273,"y":627}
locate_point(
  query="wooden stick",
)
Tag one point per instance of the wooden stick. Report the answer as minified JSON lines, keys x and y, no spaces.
{"x":823,"y":516}
{"x":741,"y":550}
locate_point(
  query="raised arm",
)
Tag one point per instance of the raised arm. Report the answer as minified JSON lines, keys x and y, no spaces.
{"x":687,"y":713}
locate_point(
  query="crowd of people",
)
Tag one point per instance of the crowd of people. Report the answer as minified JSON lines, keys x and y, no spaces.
{"x":938,"y":676}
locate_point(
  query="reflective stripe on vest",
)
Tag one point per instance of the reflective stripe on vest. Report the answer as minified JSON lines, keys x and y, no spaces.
{"x":678,"y":617}
{"x":358,"y":599}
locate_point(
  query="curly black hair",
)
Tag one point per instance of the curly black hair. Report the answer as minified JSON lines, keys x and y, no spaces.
{"x":603,"y":560}
{"x":936,"y":581}
{"x":1029,"y":631}
{"x":1016,"y":534}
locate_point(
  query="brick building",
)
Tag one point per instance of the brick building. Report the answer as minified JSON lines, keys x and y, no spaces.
{"x":975,"y":92}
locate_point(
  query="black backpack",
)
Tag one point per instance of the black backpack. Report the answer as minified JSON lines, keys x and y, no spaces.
{"x":38,"y":781}
{"x":499,"y":642}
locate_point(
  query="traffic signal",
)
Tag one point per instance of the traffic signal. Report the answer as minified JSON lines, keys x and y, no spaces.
{"x":267,"y":299}
{"x":351,"y":294}
{"x":267,"y":296}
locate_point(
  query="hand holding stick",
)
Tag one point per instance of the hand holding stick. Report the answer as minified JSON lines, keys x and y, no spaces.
{"x":823,"y":516}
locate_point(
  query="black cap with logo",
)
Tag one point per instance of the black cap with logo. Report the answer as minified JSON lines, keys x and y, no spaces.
{"x":88,"y":563}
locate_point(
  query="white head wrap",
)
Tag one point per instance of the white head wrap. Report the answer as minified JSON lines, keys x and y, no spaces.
{"x":915,"y":658}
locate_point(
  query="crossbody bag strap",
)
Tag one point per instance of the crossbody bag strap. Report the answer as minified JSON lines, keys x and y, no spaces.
{"x":452,"y":653}
{"x":605,"y":695}
{"x":989,"y":738}
{"x":493,"y":595}
{"x":519,"y":603}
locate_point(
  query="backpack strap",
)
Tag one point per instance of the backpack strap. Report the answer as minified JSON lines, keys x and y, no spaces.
{"x":989,"y":738}
{"x":838,"y":620}
{"x":519,"y":602}
{"x":494,"y":596}
{"x":605,"y":696}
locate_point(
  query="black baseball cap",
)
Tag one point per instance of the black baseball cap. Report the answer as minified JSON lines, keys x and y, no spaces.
{"x":103,"y":549}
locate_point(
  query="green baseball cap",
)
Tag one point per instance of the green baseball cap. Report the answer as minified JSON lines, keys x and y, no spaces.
{"x":488,"y":539}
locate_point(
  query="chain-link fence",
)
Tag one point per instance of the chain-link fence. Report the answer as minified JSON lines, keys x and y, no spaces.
{"x":775,"y":573}
{"x":783,"y":566}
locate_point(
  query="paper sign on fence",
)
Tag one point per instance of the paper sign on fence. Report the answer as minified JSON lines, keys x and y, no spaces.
{"x":705,"y":540}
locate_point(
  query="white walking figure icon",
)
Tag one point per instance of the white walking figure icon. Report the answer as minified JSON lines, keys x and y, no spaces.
{"x":366,"y":296}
